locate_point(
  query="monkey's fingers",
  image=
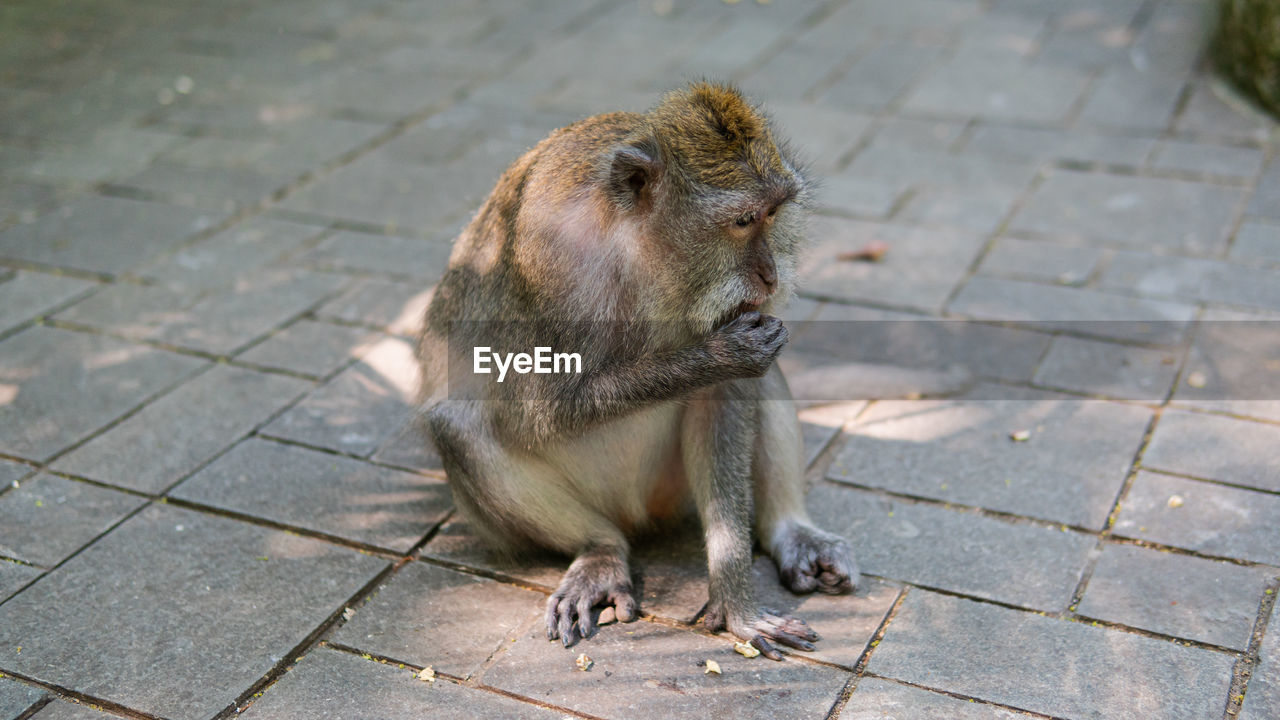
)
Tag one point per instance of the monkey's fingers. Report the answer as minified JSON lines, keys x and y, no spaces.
{"x":565,"y":624}
{"x":624,"y":606}
{"x":766,"y":648}
{"x":586,"y":620}
{"x":791,"y":625}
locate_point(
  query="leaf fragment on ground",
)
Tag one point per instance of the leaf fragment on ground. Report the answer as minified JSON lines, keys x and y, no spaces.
{"x":583,"y":662}
{"x":873,"y":251}
{"x":712,"y":667}
{"x":745,"y":649}
{"x":428,"y":674}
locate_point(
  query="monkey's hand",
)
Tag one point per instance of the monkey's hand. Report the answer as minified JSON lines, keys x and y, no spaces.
{"x":748,"y":344}
{"x":763,"y":628}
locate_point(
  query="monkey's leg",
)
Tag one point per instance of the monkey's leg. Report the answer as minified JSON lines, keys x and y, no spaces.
{"x":515,"y":499}
{"x":808,"y":559}
{"x":718,"y":432}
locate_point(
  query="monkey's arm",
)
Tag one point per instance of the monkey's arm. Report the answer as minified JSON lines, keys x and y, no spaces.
{"x":746,"y":347}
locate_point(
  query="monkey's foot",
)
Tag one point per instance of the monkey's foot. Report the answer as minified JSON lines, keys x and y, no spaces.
{"x":596,"y":578}
{"x":764,"y":628}
{"x":810,"y":559}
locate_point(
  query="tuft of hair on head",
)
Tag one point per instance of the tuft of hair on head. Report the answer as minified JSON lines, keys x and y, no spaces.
{"x":702,"y":125}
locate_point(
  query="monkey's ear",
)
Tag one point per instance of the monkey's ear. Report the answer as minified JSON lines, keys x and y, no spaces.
{"x":634,"y":171}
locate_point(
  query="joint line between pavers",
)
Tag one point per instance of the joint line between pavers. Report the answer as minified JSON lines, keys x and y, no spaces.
{"x":82,"y":698}
{"x":966,"y":698}
{"x":1211,"y":481}
{"x":864,"y":657}
{"x":1243,"y":669}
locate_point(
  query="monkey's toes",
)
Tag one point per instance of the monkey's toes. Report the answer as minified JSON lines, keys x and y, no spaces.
{"x":573,"y":611}
{"x":769,"y":627}
{"x":810,"y":559}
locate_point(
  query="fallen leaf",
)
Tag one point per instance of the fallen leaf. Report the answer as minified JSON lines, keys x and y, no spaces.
{"x":583,"y":662}
{"x":873,"y":251}
{"x":745,"y":649}
{"x":712,"y":667}
{"x":428,"y":674}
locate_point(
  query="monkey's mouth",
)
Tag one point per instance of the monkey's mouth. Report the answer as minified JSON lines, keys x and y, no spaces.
{"x":739,"y":310}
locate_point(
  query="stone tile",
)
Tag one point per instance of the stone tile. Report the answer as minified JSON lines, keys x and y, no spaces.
{"x":382,"y":254}
{"x":1131,"y":98}
{"x":427,"y":615}
{"x":1131,"y":212}
{"x":62,"y":710}
{"x":1048,"y":665}
{"x":1072,"y":309}
{"x":1215,"y":108}
{"x":175,"y":434}
{"x":383,"y":94}
{"x":880,"y":76}
{"x":1021,"y":142}
{"x":215,"y":152}
{"x":361,"y":407}
{"x":11,"y":472}
{"x":458,"y":544}
{"x":110,"y":377}
{"x":1266,"y":197}
{"x":222,"y":259}
{"x":1256,"y":240}
{"x":1215,"y":447}
{"x":999,"y":91}
{"x":1040,"y":261}
{"x":49,"y":518}
{"x":958,"y":551}
{"x":219,"y":321}
{"x":863,"y":197}
{"x":654,"y":671}
{"x":323,"y":492}
{"x":397,"y":307}
{"x":846,"y":623}
{"x":877,"y":699}
{"x":1108,"y":370}
{"x":322,"y":685}
{"x":15,"y":576}
{"x":1208,"y":159}
{"x":932,"y":135}
{"x":820,"y":134}
{"x":1263,"y":697}
{"x":1206,"y":600}
{"x":310,"y":348}
{"x":1212,"y":519}
{"x":1068,"y":471}
{"x":27,"y":295}
{"x":1234,"y":354}
{"x":226,"y":189}
{"x":919,"y":271}
{"x":16,"y":697}
{"x":103,"y":234}
{"x":247,"y":596}
{"x":1208,"y":280}
{"x":409,"y":448}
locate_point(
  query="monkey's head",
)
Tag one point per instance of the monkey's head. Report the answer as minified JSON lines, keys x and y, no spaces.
{"x":717,"y":202}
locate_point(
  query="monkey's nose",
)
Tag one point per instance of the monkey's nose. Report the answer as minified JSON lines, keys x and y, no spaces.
{"x":768,"y":277}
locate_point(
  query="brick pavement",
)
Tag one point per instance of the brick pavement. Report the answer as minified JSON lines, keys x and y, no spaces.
{"x":220,"y":222}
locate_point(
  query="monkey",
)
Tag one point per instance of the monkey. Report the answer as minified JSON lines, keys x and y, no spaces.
{"x":655,"y":245}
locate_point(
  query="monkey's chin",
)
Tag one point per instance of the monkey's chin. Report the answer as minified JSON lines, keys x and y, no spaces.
{"x":741,"y":309}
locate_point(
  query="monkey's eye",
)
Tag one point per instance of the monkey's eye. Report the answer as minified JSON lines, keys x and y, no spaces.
{"x":773,"y":211}
{"x":745,"y":219}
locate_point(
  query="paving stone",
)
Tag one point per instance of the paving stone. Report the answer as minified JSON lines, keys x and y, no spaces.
{"x":1131,"y":212}
{"x":15,"y":576}
{"x":178,"y":432}
{"x":1090,"y":36}
{"x":219,"y":321}
{"x":1215,"y":447}
{"x":102,"y":234}
{"x":1208,"y":280}
{"x":410,"y":448}
{"x":1266,"y":197}
{"x":863,"y":197}
{"x":110,"y":377}
{"x":919,"y":271}
{"x":49,"y":518}
{"x":1131,"y":98}
{"x":1040,"y":261}
{"x":880,"y":76}
{"x":933,"y":135}
{"x":820,"y":134}
{"x":1234,"y":355}
{"x":215,"y":152}
{"x":427,"y":615}
{"x":1068,"y":471}
{"x":1215,"y":108}
{"x":1021,"y":142}
{"x":1206,"y":600}
{"x":1046,"y":664}
{"x":12,"y":472}
{"x":397,"y":307}
{"x":244,"y":598}
{"x":458,"y":544}
{"x":1000,"y":91}
{"x":877,"y":699}
{"x":958,"y":551}
{"x":382,"y":254}
{"x":1263,"y":697}
{"x":16,"y":697}
{"x":321,"y":491}
{"x":654,"y":671}
{"x":321,"y":687}
{"x":1076,"y":310}
{"x":226,"y":189}
{"x":1256,"y":240}
{"x":846,"y":623}
{"x":1108,"y":370}
{"x":224,"y":258}
{"x":361,"y":407}
{"x":60,"y":710}
{"x":27,"y":295}
{"x":310,"y":348}
{"x":24,"y":201}
{"x":1212,"y":519}
{"x":1208,"y":159}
